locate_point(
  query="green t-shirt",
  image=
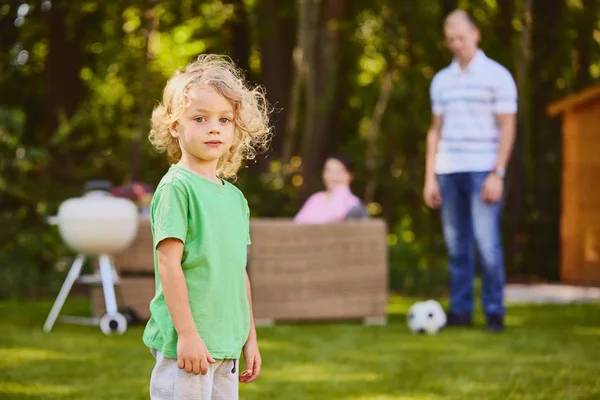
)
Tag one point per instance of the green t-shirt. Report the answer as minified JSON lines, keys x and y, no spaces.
{"x":212,"y":220}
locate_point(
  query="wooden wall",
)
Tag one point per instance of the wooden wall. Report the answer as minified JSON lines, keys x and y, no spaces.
{"x":580,"y":224}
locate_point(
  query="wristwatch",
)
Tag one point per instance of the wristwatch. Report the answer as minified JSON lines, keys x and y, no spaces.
{"x":499,"y":172}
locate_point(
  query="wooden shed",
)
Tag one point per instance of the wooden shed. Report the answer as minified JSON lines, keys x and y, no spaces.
{"x":580,"y":219}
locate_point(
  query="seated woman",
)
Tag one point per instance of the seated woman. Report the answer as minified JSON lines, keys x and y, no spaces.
{"x":336,"y":202}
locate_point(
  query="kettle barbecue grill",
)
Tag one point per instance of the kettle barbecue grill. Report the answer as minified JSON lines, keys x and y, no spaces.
{"x":95,"y":225}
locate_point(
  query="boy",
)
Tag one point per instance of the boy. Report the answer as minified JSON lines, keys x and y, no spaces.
{"x":201,"y":315}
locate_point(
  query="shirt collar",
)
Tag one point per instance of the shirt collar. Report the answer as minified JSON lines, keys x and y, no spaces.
{"x":476,"y":64}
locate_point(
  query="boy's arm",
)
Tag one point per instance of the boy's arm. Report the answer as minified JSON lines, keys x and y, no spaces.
{"x":252,"y":335}
{"x":251,"y":353}
{"x":169,"y":253}
{"x":192,"y":354}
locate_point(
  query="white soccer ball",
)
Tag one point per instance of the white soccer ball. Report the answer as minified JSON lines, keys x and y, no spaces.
{"x":426,"y":317}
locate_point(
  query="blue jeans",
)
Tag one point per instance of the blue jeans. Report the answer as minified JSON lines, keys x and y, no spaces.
{"x":468,"y":221}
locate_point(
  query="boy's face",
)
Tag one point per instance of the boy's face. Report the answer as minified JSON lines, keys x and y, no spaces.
{"x":205,"y":130}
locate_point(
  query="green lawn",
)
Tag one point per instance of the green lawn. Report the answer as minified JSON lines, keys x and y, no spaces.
{"x":550,"y":352}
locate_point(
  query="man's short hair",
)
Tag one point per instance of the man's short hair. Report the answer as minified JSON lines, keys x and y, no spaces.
{"x":460,"y":14}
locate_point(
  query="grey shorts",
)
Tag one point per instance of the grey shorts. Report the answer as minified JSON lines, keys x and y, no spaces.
{"x":168,"y":382}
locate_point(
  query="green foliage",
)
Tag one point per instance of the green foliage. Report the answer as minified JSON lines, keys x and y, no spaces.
{"x":122,"y":53}
{"x":417,"y":264}
{"x":27,"y":248}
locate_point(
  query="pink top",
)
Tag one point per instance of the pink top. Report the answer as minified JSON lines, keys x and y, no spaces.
{"x":321,"y":207}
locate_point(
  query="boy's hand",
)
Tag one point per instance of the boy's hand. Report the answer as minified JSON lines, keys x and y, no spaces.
{"x":192,"y":354}
{"x":253,"y":362}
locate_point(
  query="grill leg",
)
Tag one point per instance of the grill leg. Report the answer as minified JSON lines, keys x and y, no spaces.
{"x":108,"y":284}
{"x":64,"y":292}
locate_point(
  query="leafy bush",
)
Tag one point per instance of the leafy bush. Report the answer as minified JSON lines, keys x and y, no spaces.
{"x":418,"y":266}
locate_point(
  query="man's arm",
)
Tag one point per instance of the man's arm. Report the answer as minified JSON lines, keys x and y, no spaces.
{"x":433,"y":138}
{"x":435,"y":128}
{"x":505,"y":110}
{"x":431,"y":191}
{"x":507,"y":124}
{"x":493,"y":187}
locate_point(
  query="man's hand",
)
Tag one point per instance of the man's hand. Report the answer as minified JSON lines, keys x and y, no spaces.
{"x":192,"y":354}
{"x":253,"y":362}
{"x":493,"y":188}
{"x":431,"y":193}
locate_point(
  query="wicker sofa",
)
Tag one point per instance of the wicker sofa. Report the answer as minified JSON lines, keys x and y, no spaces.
{"x":298,"y":272}
{"x":318,"y":272}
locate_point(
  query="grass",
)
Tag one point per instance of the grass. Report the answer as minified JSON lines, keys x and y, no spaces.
{"x":548,"y":352}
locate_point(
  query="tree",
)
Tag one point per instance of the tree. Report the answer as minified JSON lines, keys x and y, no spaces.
{"x":315,"y":87}
{"x":277,"y":38}
{"x":586,"y":18}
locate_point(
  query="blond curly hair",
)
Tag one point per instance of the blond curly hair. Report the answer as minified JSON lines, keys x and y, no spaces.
{"x":251,"y":114}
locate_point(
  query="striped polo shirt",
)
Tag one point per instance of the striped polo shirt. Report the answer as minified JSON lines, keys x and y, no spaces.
{"x":468,"y":101}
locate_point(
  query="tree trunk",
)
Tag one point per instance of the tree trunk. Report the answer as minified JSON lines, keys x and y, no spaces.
{"x":585,"y":41}
{"x":372,"y":154}
{"x":524,"y":55}
{"x":547,"y":36}
{"x":447,"y":7}
{"x":310,"y":98}
{"x":412,"y":156}
{"x":277,"y":28}
{"x":9,"y":34}
{"x":150,"y":26}
{"x":515,"y":179}
{"x":505,"y":32}
{"x":63,"y":88}
{"x":322,"y":89}
{"x":238,"y":32}
{"x":548,"y":42}
{"x":303,"y":55}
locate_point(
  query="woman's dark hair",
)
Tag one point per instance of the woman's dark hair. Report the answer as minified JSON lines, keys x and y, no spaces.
{"x":343,"y":159}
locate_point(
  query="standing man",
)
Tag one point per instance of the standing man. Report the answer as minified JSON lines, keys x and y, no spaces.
{"x":469,"y":142}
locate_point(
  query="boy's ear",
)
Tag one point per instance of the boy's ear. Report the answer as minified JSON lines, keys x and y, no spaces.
{"x":173,"y":130}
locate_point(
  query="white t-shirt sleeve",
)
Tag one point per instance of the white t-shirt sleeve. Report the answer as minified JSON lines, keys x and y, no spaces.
{"x":437,"y":106}
{"x":505,"y":93}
